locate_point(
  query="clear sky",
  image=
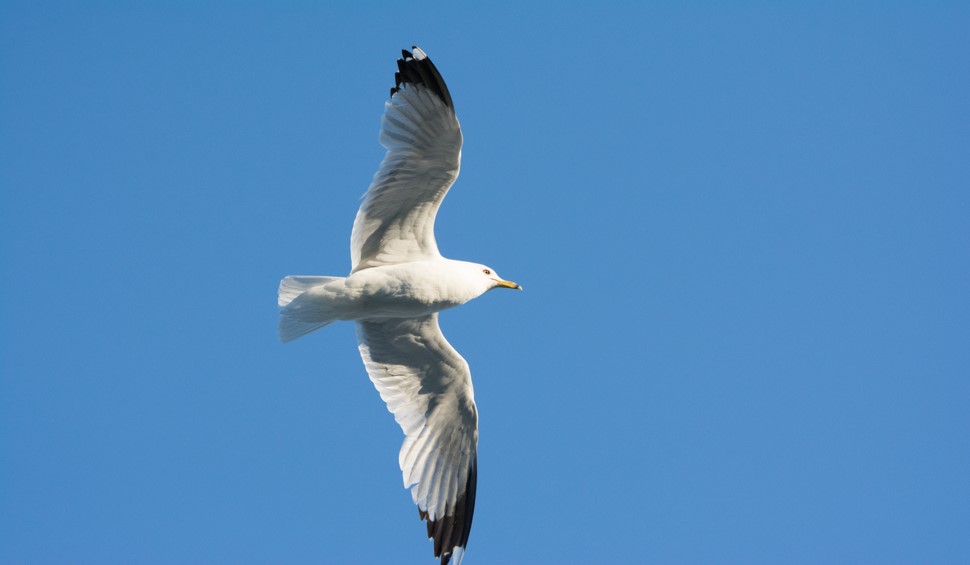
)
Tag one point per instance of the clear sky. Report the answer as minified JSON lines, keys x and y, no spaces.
{"x":743,"y":230}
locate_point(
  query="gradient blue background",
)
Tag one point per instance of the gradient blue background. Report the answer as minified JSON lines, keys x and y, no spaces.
{"x":743,"y":231}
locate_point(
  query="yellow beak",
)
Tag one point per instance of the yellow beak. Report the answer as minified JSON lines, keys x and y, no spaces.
{"x":509,"y":284}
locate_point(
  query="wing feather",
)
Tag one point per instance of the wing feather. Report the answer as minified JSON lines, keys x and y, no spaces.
{"x":427,"y":386}
{"x":420,"y":131}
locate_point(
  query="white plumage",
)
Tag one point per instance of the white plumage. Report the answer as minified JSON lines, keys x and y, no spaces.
{"x":397,"y":285}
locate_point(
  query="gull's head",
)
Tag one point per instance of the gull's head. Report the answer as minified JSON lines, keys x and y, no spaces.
{"x":471,"y":280}
{"x":491,"y":279}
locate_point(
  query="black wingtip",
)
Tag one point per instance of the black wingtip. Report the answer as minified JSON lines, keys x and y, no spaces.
{"x":451,"y":531}
{"x":420,"y":72}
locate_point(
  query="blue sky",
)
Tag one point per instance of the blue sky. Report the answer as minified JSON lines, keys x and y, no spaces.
{"x":742,"y":229}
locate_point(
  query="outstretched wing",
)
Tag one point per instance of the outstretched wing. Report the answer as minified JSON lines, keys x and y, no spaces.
{"x":395,"y":223}
{"x":427,"y":386}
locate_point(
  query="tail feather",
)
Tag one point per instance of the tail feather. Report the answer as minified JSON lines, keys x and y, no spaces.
{"x":291,"y":287}
{"x":301,"y":314}
{"x":291,"y":328}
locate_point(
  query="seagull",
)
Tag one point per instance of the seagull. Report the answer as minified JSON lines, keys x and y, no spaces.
{"x":398,"y":283}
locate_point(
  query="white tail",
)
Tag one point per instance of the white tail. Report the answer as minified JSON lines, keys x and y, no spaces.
{"x":299,"y":317}
{"x":291,"y":287}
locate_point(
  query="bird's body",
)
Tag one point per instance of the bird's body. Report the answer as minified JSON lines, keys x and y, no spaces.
{"x":404,"y":290}
{"x":398,"y":284}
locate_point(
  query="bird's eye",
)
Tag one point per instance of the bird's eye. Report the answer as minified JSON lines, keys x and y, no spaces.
{"x":486,"y":271}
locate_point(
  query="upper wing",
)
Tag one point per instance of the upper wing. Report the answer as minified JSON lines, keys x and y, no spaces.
{"x":428,"y":387}
{"x":395,"y":223}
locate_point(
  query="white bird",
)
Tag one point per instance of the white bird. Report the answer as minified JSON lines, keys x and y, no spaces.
{"x":397,"y":285}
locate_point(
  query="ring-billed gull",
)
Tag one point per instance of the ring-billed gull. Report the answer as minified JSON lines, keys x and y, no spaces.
{"x":397,"y":285}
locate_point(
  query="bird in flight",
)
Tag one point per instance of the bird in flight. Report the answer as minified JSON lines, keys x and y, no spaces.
{"x":397,"y":284}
